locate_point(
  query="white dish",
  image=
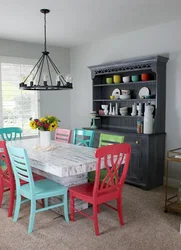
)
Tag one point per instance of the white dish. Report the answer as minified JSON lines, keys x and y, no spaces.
{"x":104,"y":106}
{"x":116,"y":93}
{"x":124,"y":97}
{"x":123,"y":112}
{"x":143,"y":92}
{"x":123,"y":109}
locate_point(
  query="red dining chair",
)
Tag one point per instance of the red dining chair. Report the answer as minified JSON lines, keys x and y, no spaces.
{"x":7,"y":181}
{"x":63,"y":135}
{"x":115,"y":158}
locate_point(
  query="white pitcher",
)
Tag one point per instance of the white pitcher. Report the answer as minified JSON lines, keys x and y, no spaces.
{"x":148,"y":119}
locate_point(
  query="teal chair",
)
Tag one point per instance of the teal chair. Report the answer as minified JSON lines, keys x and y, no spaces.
{"x":104,"y":140}
{"x":33,"y":191}
{"x":10,"y":133}
{"x":83,"y":137}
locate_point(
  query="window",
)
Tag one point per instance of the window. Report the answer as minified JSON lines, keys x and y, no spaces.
{"x":17,"y":106}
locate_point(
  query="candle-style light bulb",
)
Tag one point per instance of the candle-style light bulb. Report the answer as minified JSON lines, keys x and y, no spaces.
{"x":45,"y":77}
{"x":57,"y":78}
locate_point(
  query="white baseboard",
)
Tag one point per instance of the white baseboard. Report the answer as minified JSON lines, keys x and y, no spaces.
{"x":173,"y":182}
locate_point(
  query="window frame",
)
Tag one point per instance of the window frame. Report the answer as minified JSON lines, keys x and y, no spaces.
{"x":16,"y":60}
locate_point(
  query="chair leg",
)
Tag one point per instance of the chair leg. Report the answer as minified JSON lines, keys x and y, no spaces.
{"x":95,"y":215}
{"x":45,"y":202}
{"x":98,"y":208}
{"x":65,"y":207}
{"x":1,"y":192}
{"x":11,"y":202}
{"x":120,"y":212}
{"x":72,"y":207}
{"x":17,"y":208}
{"x":32,"y":215}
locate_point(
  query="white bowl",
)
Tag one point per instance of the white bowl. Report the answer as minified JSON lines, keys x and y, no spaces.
{"x":123,"y":112}
{"x":123,"y":109}
{"x":126,"y":78}
{"x":124,"y":97}
{"x":104,"y":106}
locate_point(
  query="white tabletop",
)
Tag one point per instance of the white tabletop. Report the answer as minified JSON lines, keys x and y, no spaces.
{"x":65,"y":160}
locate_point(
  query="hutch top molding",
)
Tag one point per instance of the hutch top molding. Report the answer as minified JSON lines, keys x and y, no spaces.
{"x":135,"y":64}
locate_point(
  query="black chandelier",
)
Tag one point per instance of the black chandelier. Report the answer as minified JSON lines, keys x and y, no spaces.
{"x":36,"y":73}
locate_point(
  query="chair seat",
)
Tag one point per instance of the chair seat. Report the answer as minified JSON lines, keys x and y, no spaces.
{"x":43,"y":189}
{"x":83,"y":189}
{"x":85,"y":192}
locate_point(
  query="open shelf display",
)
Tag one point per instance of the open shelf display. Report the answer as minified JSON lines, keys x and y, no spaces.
{"x":153,"y":67}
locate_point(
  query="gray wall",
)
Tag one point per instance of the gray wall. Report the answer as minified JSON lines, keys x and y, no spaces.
{"x":161,"y":39}
{"x":52,"y":102}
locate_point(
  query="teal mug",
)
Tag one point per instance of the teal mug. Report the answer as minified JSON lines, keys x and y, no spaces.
{"x":135,"y":78}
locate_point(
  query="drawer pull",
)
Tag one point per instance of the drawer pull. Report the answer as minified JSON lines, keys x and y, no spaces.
{"x":137,"y":142}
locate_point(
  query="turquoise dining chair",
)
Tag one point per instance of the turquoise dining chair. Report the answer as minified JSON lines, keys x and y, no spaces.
{"x":33,"y":191}
{"x":83,"y":137}
{"x":10,"y":133}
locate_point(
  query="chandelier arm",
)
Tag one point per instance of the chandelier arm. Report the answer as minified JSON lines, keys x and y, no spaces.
{"x":42,"y":62}
{"x":49,"y":69}
{"x":61,"y":81}
{"x":32,"y":69}
{"x":53,"y":64}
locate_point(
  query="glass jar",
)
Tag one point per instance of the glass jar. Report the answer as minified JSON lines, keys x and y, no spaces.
{"x":179,"y":195}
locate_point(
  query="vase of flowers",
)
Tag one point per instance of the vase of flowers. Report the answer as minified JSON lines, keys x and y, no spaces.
{"x":45,"y":125}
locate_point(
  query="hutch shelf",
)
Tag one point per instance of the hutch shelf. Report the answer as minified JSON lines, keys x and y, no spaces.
{"x":147,"y":159}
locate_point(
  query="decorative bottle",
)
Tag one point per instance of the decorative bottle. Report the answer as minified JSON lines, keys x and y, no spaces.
{"x":110,"y":109}
{"x":133,"y":110}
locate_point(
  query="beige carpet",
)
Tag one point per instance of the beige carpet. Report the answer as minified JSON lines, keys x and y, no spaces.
{"x":146,"y":227}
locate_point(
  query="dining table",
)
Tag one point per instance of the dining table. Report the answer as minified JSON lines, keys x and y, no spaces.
{"x":64,"y":163}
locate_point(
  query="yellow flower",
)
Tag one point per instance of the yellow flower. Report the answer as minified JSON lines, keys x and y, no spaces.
{"x":33,"y":124}
{"x":43,"y":119}
{"x":53,"y":126}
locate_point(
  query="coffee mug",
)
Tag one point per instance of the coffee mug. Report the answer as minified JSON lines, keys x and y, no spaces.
{"x":116,"y":78}
{"x":109,"y":80}
{"x":125,"y":92}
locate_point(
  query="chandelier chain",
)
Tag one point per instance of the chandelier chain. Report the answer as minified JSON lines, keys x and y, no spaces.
{"x":45,"y":39}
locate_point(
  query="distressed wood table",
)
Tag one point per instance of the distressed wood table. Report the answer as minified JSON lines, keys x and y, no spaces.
{"x":66,"y":164}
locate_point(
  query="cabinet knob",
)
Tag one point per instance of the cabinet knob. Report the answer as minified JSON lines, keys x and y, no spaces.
{"x":137,"y":142}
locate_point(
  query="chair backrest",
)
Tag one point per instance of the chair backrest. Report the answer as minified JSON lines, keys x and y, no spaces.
{"x":21,"y":166}
{"x":10,"y":133}
{"x":63,"y":135}
{"x":106,"y":139}
{"x":5,"y":168}
{"x":113,"y":158}
{"x":83,"y":137}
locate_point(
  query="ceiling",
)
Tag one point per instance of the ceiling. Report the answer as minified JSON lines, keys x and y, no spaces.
{"x":75,"y":22}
